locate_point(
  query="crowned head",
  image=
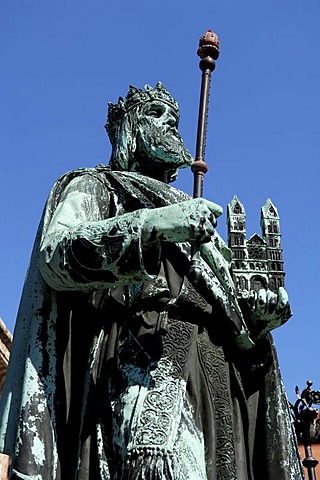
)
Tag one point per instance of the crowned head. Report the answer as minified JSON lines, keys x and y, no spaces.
{"x":135,"y":98}
{"x":142,"y":129}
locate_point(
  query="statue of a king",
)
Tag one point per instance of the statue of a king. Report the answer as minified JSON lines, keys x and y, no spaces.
{"x":123,"y":368}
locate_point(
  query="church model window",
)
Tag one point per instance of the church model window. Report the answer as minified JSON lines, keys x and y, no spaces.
{"x":243,"y":283}
{"x":272,"y":284}
{"x":273,"y":228}
{"x":272,"y":211}
{"x":274,"y":255}
{"x":257,"y":252}
{"x":257,"y":283}
{"x":239,"y":254}
{"x":237,"y":209}
{"x":238,"y":240}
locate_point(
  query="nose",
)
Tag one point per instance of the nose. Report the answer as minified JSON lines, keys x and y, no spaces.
{"x":168,"y":118}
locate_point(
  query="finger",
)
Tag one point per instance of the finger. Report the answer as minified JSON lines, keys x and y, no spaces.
{"x":207,"y":223}
{"x":283,"y":307}
{"x":208,"y":205}
{"x":212,"y":220}
{"x":283,"y":299}
{"x":215,"y":209}
{"x":252,"y":300}
{"x":206,"y":230}
{"x":272,"y":300}
{"x":261,"y":301}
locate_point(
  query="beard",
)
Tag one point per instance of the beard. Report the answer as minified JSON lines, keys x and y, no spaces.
{"x":160,"y":151}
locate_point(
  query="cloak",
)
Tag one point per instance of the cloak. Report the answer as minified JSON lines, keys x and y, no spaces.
{"x":120,"y":368}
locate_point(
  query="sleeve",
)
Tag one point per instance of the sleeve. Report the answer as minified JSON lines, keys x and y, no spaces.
{"x":85,"y":250}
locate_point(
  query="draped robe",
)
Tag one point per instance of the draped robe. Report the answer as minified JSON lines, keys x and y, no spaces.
{"x":120,"y":367}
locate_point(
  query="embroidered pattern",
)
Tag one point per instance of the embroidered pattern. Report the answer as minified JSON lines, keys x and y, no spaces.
{"x":213,"y":362}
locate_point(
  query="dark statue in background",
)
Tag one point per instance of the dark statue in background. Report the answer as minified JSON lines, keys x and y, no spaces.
{"x":122,"y":368}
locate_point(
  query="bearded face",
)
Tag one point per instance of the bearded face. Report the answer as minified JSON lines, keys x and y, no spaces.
{"x":160,"y":150}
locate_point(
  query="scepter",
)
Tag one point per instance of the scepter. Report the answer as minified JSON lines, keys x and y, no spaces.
{"x":208,"y":51}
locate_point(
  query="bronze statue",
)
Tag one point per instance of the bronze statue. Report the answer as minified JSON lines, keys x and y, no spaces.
{"x":121,"y":367}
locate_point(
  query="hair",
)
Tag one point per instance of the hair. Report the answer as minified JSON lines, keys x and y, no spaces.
{"x":122,"y":135}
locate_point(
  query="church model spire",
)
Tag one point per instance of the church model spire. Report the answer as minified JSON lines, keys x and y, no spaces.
{"x":257,"y":262}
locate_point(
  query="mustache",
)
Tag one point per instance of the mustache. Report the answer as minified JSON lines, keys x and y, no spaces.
{"x":170,"y":142}
{"x":168,"y":137}
{"x":169,"y":129}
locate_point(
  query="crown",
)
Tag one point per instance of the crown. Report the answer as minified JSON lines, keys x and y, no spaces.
{"x":137,"y":96}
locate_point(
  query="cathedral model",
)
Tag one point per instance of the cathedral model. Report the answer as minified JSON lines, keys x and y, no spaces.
{"x":256,"y":262}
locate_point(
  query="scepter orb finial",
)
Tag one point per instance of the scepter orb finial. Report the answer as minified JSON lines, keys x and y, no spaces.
{"x":209,"y":45}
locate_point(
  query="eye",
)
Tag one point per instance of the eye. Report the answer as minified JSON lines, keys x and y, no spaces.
{"x":156,"y":111}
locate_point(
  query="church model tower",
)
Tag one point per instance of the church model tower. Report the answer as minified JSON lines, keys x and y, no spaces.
{"x":257,"y":262}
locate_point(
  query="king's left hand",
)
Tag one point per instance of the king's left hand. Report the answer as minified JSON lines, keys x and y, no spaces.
{"x":266,"y":311}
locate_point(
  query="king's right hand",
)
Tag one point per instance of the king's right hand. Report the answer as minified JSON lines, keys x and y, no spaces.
{"x":188,"y":221}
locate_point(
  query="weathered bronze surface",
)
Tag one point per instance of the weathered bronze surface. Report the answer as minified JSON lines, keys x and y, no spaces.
{"x":120,"y":367}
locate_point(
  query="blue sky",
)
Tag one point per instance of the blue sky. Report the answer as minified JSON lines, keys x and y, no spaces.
{"x":63,"y":61}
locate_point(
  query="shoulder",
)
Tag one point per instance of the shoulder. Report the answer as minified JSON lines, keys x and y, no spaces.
{"x":79,"y":174}
{"x":81,"y":177}
{"x":86,"y":180}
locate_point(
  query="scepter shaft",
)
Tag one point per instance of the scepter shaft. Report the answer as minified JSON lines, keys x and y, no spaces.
{"x":208,"y":52}
{"x":199,"y":166}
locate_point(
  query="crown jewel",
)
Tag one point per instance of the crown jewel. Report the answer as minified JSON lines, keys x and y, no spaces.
{"x":137,"y":96}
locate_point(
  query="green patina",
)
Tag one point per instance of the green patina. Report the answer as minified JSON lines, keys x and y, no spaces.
{"x":121,"y":367}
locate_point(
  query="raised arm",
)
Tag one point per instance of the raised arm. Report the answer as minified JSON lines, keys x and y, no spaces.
{"x":83,"y":249}
{"x":86,"y":246}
